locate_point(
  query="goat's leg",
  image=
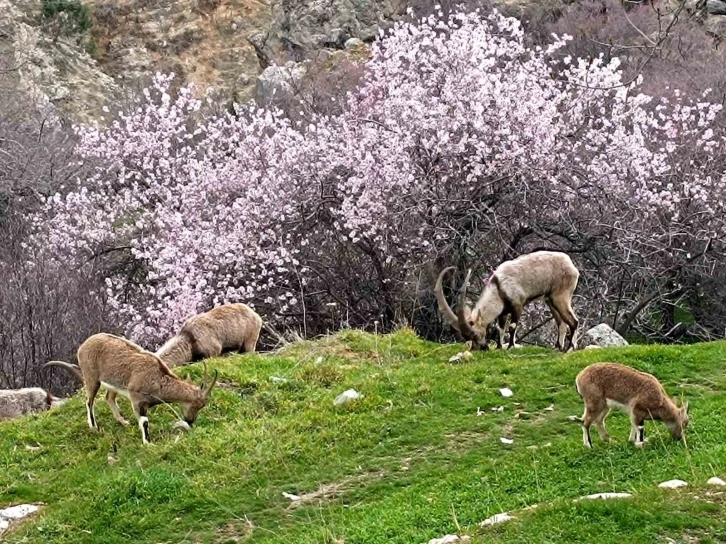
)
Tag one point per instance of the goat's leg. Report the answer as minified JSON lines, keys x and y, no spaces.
{"x":561,"y":325}
{"x":586,"y":422}
{"x":140,"y":409}
{"x":501,"y":324}
{"x":515,"y":314}
{"x":562,"y":304}
{"x":251,"y":342}
{"x":92,"y":390}
{"x":600,"y":423}
{"x":111,"y":401}
{"x":637,"y":431}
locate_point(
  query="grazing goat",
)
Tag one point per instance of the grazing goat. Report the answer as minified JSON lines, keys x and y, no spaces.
{"x":17,"y":402}
{"x":603,"y":386}
{"x":514,"y":284}
{"x":232,"y":327}
{"x":124,"y":368}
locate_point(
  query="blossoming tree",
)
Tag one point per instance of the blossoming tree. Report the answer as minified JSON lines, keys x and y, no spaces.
{"x":462,"y":145}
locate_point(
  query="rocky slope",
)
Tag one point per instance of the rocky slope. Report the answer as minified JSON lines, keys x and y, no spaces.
{"x":220,"y":43}
{"x":226,"y":44}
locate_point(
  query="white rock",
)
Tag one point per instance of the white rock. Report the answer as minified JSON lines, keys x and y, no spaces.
{"x":4,"y":524}
{"x":606,"y":496}
{"x":673,"y":484}
{"x":181,"y":424}
{"x":506,"y":392}
{"x":495,"y":519}
{"x":716,"y":481}
{"x":459,"y":356}
{"x":550,"y":408}
{"x":18,"y":512}
{"x":290,"y":496}
{"x":478,"y":411}
{"x":498,"y":409}
{"x":602,"y":335}
{"x":347,"y":396}
{"x":450,"y":539}
{"x":506,"y":440}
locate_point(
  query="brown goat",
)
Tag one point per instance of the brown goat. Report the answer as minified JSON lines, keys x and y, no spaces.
{"x":603,"y":386}
{"x":547,"y":275}
{"x":232,"y":327}
{"x":124,"y":368}
{"x":17,"y":402}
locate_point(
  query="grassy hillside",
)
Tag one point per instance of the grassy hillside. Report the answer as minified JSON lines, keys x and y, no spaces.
{"x":410,"y":461}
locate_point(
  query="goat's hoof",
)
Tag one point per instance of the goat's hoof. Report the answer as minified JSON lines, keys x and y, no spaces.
{"x":639,"y":444}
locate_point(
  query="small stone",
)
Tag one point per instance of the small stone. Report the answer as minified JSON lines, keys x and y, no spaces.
{"x":459,"y":356}
{"x":353,"y":43}
{"x":498,"y":409}
{"x":605,"y":496}
{"x":506,"y":392}
{"x":19,"y":511}
{"x":496,"y":519}
{"x":181,"y":424}
{"x":450,"y":539}
{"x":716,"y":481}
{"x":347,"y":396}
{"x":506,"y":440}
{"x":290,"y":496}
{"x":673,"y":484}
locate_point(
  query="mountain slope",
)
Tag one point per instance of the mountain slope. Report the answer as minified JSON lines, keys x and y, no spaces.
{"x":406,"y":463}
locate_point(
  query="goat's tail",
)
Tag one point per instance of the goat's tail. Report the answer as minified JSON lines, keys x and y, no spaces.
{"x":73,"y":369}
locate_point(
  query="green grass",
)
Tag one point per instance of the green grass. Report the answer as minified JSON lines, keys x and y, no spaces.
{"x":408,"y":462}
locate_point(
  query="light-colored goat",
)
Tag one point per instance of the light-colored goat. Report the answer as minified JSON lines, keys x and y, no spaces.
{"x":124,"y":368}
{"x":232,"y":327}
{"x":603,"y":386}
{"x":547,"y":275}
{"x":18,"y":402}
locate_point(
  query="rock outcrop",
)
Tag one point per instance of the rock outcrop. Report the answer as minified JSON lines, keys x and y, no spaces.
{"x":602,"y":335}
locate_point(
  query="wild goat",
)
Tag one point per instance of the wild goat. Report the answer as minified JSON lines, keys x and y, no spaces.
{"x":124,"y":368}
{"x":514,"y":284}
{"x":18,"y":402}
{"x":232,"y":327}
{"x":603,"y":386}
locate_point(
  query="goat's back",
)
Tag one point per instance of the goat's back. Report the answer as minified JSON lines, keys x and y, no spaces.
{"x":619,"y":383}
{"x":230,"y":324}
{"x":114,"y":360}
{"x":537,"y":274}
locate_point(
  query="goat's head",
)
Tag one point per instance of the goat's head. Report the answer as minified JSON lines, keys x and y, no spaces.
{"x":679,"y":424}
{"x":190,"y":408}
{"x":466,"y":321}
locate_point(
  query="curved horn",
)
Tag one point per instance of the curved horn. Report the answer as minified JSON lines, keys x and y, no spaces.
{"x":466,"y":330}
{"x":208,"y":390}
{"x":444,"y":307}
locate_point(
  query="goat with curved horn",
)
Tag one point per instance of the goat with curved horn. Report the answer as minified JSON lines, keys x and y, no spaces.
{"x":127,"y":369}
{"x":548,"y":275}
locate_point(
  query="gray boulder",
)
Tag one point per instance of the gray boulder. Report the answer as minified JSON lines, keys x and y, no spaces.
{"x":602,"y":335}
{"x":277,"y":82}
{"x":716,"y":7}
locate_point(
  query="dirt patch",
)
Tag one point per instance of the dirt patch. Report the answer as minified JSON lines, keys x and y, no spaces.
{"x":465,"y":440}
{"x":234,"y":532}
{"x":328,"y":492}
